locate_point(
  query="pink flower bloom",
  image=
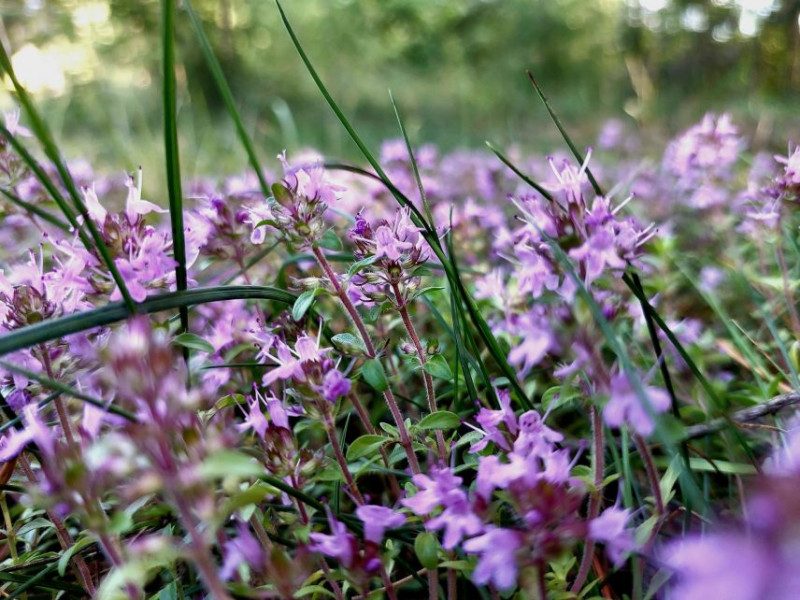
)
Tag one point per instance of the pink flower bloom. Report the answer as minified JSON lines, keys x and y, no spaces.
{"x":340,"y":545}
{"x":134,"y":205}
{"x":34,"y":431}
{"x":377,"y":519}
{"x":625,"y":406}
{"x":610,"y":528}
{"x":497,"y":562}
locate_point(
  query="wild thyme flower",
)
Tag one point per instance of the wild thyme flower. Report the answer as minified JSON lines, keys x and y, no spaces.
{"x":140,"y":251}
{"x":297,"y":205}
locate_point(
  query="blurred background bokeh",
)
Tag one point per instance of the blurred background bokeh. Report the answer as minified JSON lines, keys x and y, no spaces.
{"x":455,"y":67}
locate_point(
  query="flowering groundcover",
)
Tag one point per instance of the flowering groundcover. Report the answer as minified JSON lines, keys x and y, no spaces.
{"x":470,"y":374}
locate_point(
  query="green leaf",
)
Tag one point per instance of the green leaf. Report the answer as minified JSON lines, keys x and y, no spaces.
{"x":170,"y":592}
{"x":281,"y":194}
{"x":302,"y":304}
{"x":426,"y":547}
{"x":443,"y":419}
{"x":437,"y":366}
{"x":193,"y":341}
{"x":357,"y":266}
{"x":373,"y":373}
{"x":228,"y":462}
{"x":67,"y":555}
{"x":365,"y":445}
{"x":308,"y":590}
{"x":330,"y":240}
{"x":349,"y":344}
{"x":34,"y":524}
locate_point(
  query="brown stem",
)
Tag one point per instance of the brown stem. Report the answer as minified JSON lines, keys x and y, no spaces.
{"x":330,"y":429}
{"x":652,"y":474}
{"x":370,"y":428}
{"x":405,"y":440}
{"x":63,"y":417}
{"x":64,"y":538}
{"x":787,"y":291}
{"x":429,"y":392}
{"x":598,"y":464}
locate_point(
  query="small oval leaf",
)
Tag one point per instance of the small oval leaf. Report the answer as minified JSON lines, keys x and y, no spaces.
{"x":364,"y":445}
{"x":373,"y":373}
{"x":443,"y":419}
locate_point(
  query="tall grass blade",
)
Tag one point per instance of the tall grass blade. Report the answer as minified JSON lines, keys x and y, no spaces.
{"x":519,"y":173}
{"x":573,"y":148}
{"x":689,"y":486}
{"x":113,"y":312}
{"x":172,"y":152}
{"x":414,"y":167}
{"x":34,"y":210}
{"x":65,"y":389}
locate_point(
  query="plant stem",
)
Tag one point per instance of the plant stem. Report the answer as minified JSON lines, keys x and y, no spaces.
{"x":63,"y":417}
{"x":64,"y":538}
{"x":787,"y":290}
{"x":652,"y":473}
{"x":370,"y":428}
{"x":330,"y":429}
{"x":405,"y":440}
{"x":402,"y":307}
{"x":598,"y":466}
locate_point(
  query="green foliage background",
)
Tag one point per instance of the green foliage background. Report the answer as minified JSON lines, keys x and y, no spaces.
{"x":455,"y":67}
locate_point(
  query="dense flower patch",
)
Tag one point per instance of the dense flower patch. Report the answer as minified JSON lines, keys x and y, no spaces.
{"x":498,"y":387}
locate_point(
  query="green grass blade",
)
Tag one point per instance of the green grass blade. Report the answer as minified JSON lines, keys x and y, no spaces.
{"x":573,"y":148}
{"x":42,"y":133}
{"x":429,"y":233}
{"x":414,"y":167}
{"x":172,"y":151}
{"x":689,"y":486}
{"x":34,"y":210}
{"x":65,"y":389}
{"x":47,"y":183}
{"x":519,"y":173}
{"x":116,"y":311}
{"x":227,"y":96}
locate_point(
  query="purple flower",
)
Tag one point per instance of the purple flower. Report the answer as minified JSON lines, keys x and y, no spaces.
{"x":724,"y":566}
{"x":335,"y":385}
{"x":433,"y":491}
{"x":611,"y":529}
{"x":457,"y":519}
{"x":340,"y":545}
{"x":244,"y":548}
{"x":34,"y":431}
{"x":625,"y":406}
{"x":497,"y":562}
{"x":377,"y":519}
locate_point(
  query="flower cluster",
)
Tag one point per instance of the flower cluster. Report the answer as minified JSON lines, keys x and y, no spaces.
{"x":529,"y":479}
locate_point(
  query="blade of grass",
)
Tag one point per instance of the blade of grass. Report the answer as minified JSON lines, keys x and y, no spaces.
{"x":116,"y":311}
{"x":68,"y":390}
{"x":171,"y":149}
{"x":42,"y":134}
{"x":519,"y":173}
{"x":47,"y":183}
{"x":34,"y":210}
{"x":227,"y":96}
{"x":575,"y":152}
{"x":414,"y":167}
